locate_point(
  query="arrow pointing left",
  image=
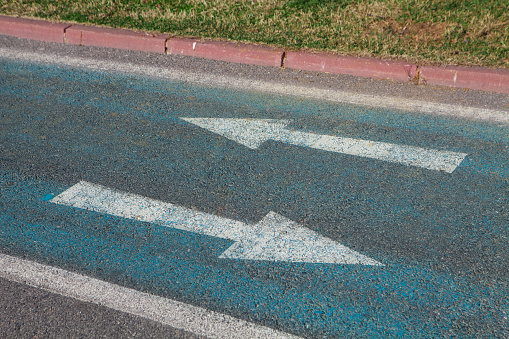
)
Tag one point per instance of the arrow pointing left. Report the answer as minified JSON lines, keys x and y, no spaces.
{"x":253,"y":132}
{"x":274,"y":238}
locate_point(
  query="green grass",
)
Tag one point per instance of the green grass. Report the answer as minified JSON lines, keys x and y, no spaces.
{"x":461,"y":32}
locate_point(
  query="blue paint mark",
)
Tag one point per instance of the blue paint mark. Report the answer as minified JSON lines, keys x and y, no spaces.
{"x":47,"y":197}
{"x":160,"y":94}
{"x":163,"y":101}
{"x":401,"y":300}
{"x":427,"y":288}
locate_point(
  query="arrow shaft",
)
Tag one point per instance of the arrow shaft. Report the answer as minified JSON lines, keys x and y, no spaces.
{"x":408,"y":155}
{"x":97,"y":198}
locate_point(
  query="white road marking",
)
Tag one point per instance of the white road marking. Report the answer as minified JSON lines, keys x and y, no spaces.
{"x":214,"y":80}
{"x":253,"y":132}
{"x":274,"y":238}
{"x":166,"y":311}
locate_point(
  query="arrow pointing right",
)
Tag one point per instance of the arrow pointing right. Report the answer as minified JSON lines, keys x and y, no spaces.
{"x":274,"y":238}
{"x":253,"y":132}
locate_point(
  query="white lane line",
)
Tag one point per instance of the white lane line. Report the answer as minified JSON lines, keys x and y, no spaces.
{"x":213,"y":80}
{"x":253,"y":132}
{"x":166,"y":311}
{"x":274,"y":238}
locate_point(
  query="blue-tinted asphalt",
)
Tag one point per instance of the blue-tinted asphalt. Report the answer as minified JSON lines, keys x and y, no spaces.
{"x":444,"y":238}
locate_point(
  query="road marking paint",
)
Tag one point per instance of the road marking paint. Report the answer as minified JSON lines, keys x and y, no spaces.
{"x":166,"y":311}
{"x":214,"y":80}
{"x":253,"y":132}
{"x":274,"y":238}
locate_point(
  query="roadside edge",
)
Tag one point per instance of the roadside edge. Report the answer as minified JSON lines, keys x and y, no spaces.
{"x":476,"y":78}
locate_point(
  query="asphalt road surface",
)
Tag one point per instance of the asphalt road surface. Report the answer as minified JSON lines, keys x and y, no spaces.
{"x":313,"y":205}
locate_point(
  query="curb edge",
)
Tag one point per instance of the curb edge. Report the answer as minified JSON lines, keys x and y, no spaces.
{"x":476,"y":78}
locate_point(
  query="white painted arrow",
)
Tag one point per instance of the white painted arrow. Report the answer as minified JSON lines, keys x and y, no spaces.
{"x":253,"y":132}
{"x":274,"y":238}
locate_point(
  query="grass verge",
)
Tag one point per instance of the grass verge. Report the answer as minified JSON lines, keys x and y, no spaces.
{"x":458,"y":32}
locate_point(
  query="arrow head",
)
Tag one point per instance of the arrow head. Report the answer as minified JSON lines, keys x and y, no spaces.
{"x":248,"y":132}
{"x":276,"y":238}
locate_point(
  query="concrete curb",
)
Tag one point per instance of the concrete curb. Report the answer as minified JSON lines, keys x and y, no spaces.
{"x":485,"y":79}
{"x":227,"y":51}
{"x":32,"y":29}
{"x":114,"y":38}
{"x":363,"y":67}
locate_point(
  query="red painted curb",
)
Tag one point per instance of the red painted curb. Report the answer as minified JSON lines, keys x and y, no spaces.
{"x":496,"y":80}
{"x":484,"y":79}
{"x":227,"y":51}
{"x":115,"y":38}
{"x":364,"y":67}
{"x":32,"y":29}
